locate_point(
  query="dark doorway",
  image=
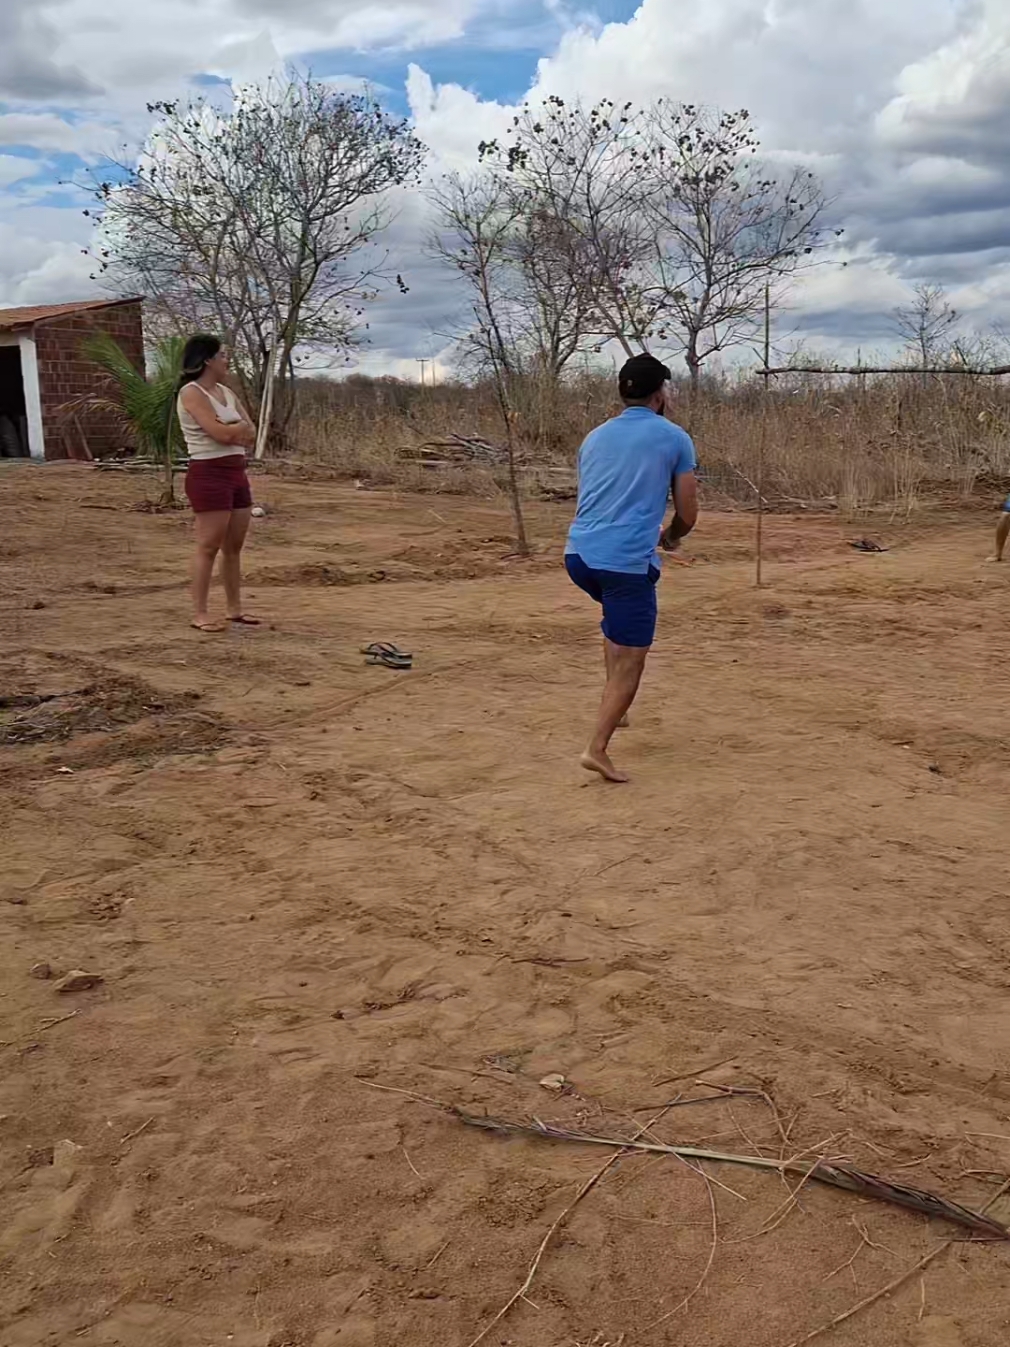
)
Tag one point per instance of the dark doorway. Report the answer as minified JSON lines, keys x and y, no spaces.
{"x":13,"y":422}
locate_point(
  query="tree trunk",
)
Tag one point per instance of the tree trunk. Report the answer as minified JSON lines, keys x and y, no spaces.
{"x":516,"y":500}
{"x":515,"y":495}
{"x":168,"y":490}
{"x":693,"y":363}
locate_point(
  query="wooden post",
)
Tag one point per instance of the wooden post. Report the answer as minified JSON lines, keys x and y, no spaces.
{"x":759,"y":526}
{"x":763,"y":443}
{"x":267,"y":405}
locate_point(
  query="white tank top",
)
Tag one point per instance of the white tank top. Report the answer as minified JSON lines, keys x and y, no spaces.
{"x":198,"y":443}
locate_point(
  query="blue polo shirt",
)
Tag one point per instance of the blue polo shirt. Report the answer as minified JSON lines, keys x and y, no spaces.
{"x":626,"y":468}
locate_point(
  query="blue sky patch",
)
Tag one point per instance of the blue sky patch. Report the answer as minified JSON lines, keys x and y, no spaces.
{"x":496,"y":58}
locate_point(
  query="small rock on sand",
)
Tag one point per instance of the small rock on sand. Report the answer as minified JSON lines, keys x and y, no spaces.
{"x":78,"y":981}
{"x":554,"y":1082}
{"x":41,"y":971}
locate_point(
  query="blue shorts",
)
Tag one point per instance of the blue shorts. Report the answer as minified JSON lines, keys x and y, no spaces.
{"x":628,"y":601}
{"x":1006,"y":506}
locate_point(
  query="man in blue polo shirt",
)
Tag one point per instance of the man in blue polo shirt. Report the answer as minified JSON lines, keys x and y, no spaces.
{"x":627,"y":468}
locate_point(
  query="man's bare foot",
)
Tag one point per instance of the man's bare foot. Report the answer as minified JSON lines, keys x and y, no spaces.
{"x":599,"y":762}
{"x":994,"y":559}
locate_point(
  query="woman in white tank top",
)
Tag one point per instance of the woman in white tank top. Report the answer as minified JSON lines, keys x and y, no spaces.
{"x":217,"y":431}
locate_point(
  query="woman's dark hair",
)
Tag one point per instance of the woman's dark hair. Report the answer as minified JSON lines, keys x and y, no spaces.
{"x":200,"y":349}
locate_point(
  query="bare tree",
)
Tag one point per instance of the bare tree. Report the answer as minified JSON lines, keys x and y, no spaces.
{"x":259,"y":221}
{"x":476,"y":222}
{"x":728,"y":230}
{"x":582,"y":172}
{"x":926,"y":325}
{"x":680,"y":229}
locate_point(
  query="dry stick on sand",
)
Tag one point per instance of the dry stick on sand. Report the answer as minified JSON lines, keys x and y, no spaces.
{"x":531,"y":1274}
{"x":877,"y":1295}
{"x":713,"y":1250}
{"x":864,"y":1243}
{"x":920,"y":1266}
{"x":131,"y":1135}
{"x":833,"y":1175}
{"x":729,"y":1090}
{"x":681,"y":1102}
{"x":712,"y":1066}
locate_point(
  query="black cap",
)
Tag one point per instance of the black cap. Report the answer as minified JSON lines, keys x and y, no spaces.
{"x":641,"y":376}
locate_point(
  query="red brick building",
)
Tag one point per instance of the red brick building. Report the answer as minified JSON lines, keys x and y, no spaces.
{"x":42,"y":368}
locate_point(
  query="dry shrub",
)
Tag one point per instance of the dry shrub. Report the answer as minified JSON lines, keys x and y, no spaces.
{"x":855,"y":444}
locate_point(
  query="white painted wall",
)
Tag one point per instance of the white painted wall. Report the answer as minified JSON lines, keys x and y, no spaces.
{"x":33,"y":401}
{"x":30,"y":381}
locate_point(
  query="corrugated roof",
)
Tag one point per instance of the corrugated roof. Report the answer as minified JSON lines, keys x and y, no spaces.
{"x":35,"y":313}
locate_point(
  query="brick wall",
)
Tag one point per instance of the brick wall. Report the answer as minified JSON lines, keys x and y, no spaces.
{"x":64,"y":373}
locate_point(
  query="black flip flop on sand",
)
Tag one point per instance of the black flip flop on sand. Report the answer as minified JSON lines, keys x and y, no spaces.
{"x":388,"y":655}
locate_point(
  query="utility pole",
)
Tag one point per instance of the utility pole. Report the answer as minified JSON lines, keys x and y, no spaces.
{"x":422,"y":361}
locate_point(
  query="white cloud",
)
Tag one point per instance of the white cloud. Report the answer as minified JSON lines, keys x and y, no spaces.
{"x":30,"y":66}
{"x":810,"y":71}
{"x":48,"y":131}
{"x":355,"y":84}
{"x":40,"y":257}
{"x":451,"y":120}
{"x":14,"y":168}
{"x":902,"y":105}
{"x":148,"y":50}
{"x":957,"y":98}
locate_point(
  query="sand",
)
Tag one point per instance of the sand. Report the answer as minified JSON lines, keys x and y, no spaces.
{"x":299,"y":877}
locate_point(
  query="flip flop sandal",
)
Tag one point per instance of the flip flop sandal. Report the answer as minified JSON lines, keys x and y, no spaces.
{"x":390,"y":660}
{"x":243,"y":621}
{"x":385,"y":648}
{"x":208,"y":628}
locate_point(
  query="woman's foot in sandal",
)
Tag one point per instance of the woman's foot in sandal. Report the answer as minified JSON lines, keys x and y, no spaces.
{"x":244,"y":620}
{"x":206,"y":624}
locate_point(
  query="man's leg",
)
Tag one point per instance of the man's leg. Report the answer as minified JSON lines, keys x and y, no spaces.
{"x":629,"y":627}
{"x":1002,"y":533}
{"x":608,"y":662}
{"x":625,"y":665}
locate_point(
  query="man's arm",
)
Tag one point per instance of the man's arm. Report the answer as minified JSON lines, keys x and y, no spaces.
{"x":685,"y":511}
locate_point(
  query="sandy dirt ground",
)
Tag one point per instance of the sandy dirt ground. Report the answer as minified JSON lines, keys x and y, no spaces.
{"x":301,"y":879}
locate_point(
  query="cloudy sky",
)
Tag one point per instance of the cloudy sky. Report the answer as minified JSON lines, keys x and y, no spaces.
{"x":903,"y":107}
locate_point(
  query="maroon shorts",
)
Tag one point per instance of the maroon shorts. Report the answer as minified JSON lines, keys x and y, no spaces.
{"x":218,"y":484}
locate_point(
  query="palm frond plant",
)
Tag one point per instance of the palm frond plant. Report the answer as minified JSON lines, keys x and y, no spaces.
{"x":144,"y":406}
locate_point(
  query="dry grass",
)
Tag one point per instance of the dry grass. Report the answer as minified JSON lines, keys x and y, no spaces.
{"x":857,"y":445}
